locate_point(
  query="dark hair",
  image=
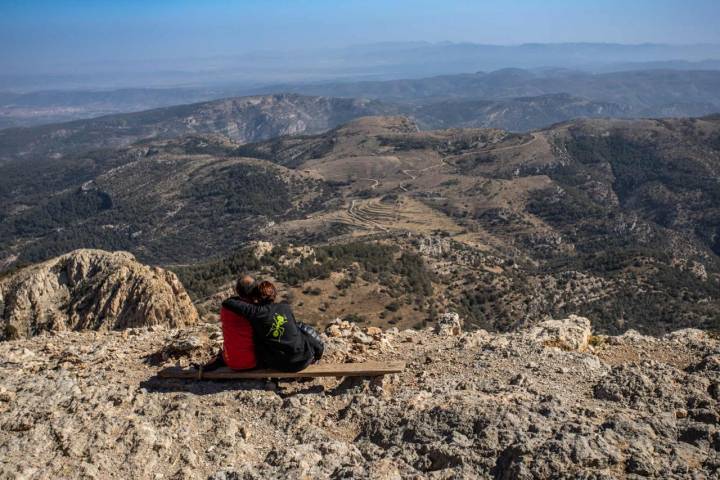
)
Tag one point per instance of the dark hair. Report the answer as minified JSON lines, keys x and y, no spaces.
{"x":245,"y":285}
{"x":266,"y":292}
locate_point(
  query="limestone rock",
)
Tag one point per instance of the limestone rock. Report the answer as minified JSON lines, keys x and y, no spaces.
{"x":375,"y":332}
{"x":261,"y":249}
{"x":687,"y":335}
{"x":6,"y":395}
{"x":479,"y":405}
{"x":572,"y":333}
{"x":449,"y":324}
{"x":93,"y":290}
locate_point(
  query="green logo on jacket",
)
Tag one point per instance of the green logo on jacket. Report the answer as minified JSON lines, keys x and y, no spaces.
{"x":277,"y":330}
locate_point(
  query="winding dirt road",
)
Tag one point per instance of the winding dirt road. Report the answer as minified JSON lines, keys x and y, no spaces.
{"x":375,"y":181}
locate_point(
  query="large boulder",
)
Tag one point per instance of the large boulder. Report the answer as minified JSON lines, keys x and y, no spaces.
{"x":91,"y":289}
{"x":449,"y":324}
{"x":572,"y":333}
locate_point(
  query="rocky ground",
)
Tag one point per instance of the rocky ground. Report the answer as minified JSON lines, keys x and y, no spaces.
{"x":549,"y":402}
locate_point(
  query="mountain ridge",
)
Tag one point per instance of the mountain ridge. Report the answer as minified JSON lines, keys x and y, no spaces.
{"x":241,"y":119}
{"x":650,"y":86}
{"x":647,"y":93}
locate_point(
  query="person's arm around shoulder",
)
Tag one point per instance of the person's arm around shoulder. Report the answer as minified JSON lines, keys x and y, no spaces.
{"x":245,"y":309}
{"x":288,"y":311}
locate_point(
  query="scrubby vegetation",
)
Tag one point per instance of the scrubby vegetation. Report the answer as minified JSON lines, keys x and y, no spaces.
{"x":231,"y":200}
{"x":635,"y":164}
{"x":402,"y":272}
{"x":204,"y":279}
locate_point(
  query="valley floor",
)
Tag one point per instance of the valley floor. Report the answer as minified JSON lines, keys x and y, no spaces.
{"x":549,"y":402}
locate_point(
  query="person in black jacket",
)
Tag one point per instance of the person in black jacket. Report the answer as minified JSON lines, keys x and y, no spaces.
{"x":281,"y":343}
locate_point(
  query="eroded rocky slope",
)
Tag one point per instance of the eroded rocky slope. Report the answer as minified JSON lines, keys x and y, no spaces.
{"x":243,"y":119}
{"x":550,"y":402}
{"x":91,"y":289}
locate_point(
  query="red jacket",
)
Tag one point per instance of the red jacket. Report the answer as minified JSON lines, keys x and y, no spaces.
{"x":238,"y":345}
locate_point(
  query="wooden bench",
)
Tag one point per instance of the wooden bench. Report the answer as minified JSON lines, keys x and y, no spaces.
{"x":365,"y":369}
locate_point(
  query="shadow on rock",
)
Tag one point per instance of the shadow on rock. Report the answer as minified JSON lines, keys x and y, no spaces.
{"x":289,"y":388}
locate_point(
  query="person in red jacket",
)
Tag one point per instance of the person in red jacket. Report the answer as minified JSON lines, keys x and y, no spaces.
{"x":238,"y":350}
{"x":238,"y":344}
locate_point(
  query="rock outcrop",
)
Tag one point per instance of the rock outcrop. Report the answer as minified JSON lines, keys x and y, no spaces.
{"x":572,"y":333}
{"x":93,"y":290}
{"x":449,"y":323}
{"x":523,"y":405}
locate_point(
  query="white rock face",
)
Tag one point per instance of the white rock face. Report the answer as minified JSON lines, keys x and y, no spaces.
{"x":94,"y":290}
{"x":572,"y":333}
{"x":261,"y":249}
{"x":449,"y":324}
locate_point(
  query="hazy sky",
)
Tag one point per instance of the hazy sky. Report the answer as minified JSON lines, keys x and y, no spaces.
{"x":36,"y":34}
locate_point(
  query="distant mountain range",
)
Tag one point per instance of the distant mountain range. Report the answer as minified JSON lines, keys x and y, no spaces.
{"x":251,"y":119}
{"x":515,"y":114}
{"x":513,"y":99}
{"x":244,"y":119}
{"x":379,"y":61}
{"x":255,"y":118}
{"x":639,"y":90}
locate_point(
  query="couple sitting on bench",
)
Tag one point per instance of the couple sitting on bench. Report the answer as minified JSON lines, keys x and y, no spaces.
{"x":258,"y":332}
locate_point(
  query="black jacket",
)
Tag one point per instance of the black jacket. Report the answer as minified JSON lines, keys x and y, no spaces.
{"x":279,"y":344}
